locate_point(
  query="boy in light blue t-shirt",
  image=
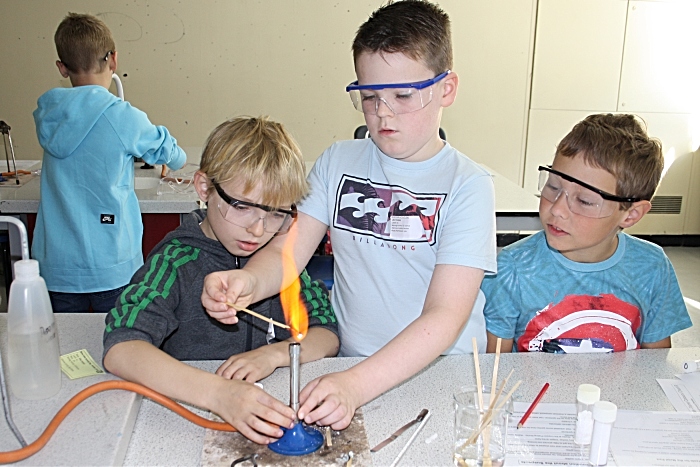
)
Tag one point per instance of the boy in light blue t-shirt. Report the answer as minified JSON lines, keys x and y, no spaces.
{"x":411,"y":218}
{"x":581,"y":285}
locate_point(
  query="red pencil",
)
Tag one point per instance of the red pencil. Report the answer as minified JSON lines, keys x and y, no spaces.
{"x":533,"y":405}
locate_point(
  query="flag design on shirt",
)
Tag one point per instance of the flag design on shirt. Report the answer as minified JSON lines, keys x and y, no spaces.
{"x":581,"y":324}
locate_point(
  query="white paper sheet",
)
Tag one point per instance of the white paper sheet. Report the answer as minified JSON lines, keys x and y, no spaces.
{"x":547,"y":438}
{"x":691,"y":380}
{"x":638,"y":438}
{"x":680,"y":395}
{"x":656,"y":438}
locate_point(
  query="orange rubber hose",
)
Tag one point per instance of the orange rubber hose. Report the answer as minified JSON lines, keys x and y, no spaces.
{"x":33,"y":448}
{"x":8,"y":174}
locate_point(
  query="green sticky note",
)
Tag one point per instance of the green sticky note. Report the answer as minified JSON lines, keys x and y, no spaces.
{"x":80,"y":364}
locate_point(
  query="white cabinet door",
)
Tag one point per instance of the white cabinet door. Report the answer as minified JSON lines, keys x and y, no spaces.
{"x":661,"y":65}
{"x":546,"y":129}
{"x":492,"y":43}
{"x":578,"y":54}
{"x":637,"y":57}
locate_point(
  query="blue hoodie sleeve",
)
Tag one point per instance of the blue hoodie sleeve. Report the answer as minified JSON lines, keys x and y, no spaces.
{"x":152,"y":143}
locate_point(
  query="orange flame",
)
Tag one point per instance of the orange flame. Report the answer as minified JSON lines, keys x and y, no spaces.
{"x":294,"y":310}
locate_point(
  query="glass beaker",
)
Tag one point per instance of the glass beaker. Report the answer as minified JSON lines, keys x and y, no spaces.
{"x":480,"y":434}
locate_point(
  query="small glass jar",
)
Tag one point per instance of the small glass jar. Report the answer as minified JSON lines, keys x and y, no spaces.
{"x":586,"y":397}
{"x":604,"y":415}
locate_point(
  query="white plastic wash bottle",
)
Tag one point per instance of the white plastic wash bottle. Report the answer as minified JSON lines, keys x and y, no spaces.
{"x":33,"y":357}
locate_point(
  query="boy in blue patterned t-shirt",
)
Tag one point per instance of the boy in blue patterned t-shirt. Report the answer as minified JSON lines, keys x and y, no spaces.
{"x":581,"y":285}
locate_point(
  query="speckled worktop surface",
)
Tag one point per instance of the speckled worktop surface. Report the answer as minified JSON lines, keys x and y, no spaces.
{"x":25,"y":199}
{"x":97,"y":431}
{"x":92,"y":434}
{"x":628,"y":379}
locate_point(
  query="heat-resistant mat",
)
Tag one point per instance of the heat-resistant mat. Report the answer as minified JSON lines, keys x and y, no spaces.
{"x":221,"y":448}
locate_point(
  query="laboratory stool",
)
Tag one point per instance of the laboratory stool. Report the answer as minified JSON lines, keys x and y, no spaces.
{"x":6,"y":259}
{"x":320,"y":268}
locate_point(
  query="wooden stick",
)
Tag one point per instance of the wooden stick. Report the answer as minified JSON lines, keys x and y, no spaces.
{"x":494,"y":381}
{"x":494,"y":378}
{"x":489,"y":416}
{"x":499,"y":392}
{"x":328,"y":437}
{"x":477,"y":369}
{"x":257,"y":315}
{"x":500,"y":389}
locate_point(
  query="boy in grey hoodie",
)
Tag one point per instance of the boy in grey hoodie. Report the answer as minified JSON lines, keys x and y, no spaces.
{"x":251,"y":175}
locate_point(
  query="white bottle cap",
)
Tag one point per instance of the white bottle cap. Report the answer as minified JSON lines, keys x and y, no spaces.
{"x":604,"y":411}
{"x":26,"y":269}
{"x":588,"y":394}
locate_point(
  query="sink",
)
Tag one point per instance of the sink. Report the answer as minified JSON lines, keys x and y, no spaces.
{"x":146,"y":183}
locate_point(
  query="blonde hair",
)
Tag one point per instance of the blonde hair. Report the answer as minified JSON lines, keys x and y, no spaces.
{"x":256,"y":150}
{"x":83,"y":42}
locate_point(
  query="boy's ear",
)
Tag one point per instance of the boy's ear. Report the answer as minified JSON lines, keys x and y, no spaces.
{"x":113,"y":61}
{"x":635,"y":213}
{"x":449,"y":89}
{"x":62,"y":68}
{"x":201,"y":185}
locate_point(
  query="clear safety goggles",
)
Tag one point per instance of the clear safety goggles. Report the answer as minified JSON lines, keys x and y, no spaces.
{"x":246,"y":215}
{"x":581,"y":198}
{"x":400,"y":98}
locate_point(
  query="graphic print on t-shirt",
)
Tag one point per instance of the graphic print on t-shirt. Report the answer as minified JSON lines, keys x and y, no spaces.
{"x":386,"y":212}
{"x":583,"y":324}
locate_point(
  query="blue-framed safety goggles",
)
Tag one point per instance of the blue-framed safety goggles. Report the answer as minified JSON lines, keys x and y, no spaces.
{"x":404,"y":98}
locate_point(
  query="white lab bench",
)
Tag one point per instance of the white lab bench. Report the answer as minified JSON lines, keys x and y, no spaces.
{"x":160,"y":213}
{"x":516,"y":208}
{"x":101,"y":430}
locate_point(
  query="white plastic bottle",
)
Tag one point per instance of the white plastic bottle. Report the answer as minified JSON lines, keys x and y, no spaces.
{"x":586,"y":397}
{"x":604,"y":414}
{"x":33,"y":355}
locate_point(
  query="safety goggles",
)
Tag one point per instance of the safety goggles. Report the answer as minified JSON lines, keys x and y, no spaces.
{"x":246,"y":215}
{"x":400,"y":98}
{"x":581,"y":198}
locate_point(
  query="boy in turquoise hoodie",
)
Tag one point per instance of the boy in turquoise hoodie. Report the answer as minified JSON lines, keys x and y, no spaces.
{"x":88,"y":231}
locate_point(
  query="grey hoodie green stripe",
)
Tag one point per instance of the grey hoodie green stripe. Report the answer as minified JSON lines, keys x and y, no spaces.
{"x":157,"y":282}
{"x":317,"y":300}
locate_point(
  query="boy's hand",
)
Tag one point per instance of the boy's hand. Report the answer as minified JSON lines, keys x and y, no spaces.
{"x":249,"y":366}
{"x":253,"y":412}
{"x":329,"y":401}
{"x":234,"y":286}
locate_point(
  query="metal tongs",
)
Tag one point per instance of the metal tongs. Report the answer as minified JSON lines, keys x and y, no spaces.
{"x":5,"y":130}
